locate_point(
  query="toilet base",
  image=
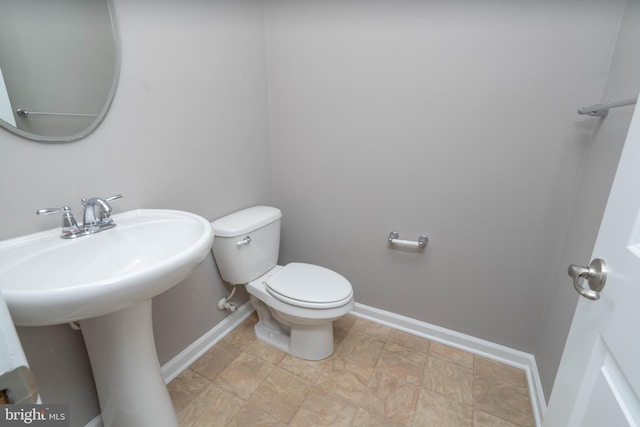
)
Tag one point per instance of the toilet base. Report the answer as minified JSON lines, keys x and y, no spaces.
{"x":312,"y":342}
{"x":309,"y":342}
{"x":304,"y":341}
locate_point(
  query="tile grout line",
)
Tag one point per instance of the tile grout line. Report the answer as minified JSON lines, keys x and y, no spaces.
{"x":377,"y":367}
{"x":316,"y":382}
{"x":335,"y":353}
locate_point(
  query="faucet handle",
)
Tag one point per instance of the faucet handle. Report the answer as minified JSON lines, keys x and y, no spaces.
{"x":100,"y":200}
{"x":106,"y":214}
{"x":116,"y":197}
{"x":51,"y":211}
{"x":70,"y":227}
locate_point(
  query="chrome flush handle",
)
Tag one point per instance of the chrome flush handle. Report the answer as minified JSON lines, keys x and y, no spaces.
{"x":244,"y":241}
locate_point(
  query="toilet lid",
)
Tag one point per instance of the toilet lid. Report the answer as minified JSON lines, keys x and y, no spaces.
{"x":311,"y":286}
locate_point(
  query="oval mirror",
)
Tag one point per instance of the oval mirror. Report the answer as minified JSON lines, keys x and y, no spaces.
{"x":59,"y":67}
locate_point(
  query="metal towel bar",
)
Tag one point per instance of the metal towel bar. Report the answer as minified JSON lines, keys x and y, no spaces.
{"x":24,"y":113}
{"x":601,"y":110}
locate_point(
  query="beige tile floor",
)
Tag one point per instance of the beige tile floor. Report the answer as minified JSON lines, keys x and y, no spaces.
{"x":377,"y":376}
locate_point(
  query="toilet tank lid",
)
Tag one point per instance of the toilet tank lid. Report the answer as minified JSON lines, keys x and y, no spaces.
{"x":245,"y":221}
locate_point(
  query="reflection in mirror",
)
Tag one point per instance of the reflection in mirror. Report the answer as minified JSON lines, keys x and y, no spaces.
{"x":59,"y":66}
{"x":6,"y":113}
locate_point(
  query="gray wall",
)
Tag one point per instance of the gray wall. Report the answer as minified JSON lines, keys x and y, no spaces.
{"x":187,"y":130}
{"x":452,"y":118}
{"x":457,"y":119}
{"x":598,"y":170}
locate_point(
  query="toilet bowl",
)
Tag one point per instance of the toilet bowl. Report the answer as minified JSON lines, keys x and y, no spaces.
{"x":299,"y":324}
{"x":296,"y":303}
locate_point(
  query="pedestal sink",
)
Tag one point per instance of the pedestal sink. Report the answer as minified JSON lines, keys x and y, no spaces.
{"x":105,"y":282}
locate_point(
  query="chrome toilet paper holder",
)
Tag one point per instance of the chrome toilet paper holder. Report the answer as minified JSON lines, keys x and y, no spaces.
{"x":420,"y":243}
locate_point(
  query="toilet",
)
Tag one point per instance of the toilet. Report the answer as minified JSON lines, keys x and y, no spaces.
{"x":297,"y":302}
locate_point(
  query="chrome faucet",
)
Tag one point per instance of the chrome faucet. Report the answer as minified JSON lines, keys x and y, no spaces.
{"x":97,"y":214}
{"x":96,"y":218}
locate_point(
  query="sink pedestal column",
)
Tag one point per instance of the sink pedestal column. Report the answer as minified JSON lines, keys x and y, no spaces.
{"x":126,"y":371}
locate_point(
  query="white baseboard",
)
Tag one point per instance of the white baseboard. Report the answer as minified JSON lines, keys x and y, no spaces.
{"x":186,"y":357}
{"x":506,"y":355}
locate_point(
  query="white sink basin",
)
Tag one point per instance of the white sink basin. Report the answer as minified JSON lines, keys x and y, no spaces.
{"x":47,"y":280}
{"x":105,"y":281}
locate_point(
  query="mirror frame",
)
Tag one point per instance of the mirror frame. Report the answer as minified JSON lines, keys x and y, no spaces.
{"x":114,"y":84}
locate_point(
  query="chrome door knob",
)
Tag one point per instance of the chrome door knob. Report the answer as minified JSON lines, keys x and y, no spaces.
{"x":595,"y":275}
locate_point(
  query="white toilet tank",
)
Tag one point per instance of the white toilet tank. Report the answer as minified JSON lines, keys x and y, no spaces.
{"x":247,"y":243}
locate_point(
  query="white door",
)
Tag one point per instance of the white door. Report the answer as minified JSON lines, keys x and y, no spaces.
{"x":598,"y":382}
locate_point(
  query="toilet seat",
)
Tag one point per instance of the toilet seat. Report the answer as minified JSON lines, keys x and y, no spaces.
{"x":309,"y":286}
